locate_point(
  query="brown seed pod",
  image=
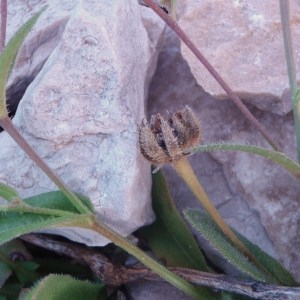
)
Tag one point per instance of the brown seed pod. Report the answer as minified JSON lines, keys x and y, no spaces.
{"x":150,"y":146}
{"x":191,"y":123}
{"x":164,"y":141}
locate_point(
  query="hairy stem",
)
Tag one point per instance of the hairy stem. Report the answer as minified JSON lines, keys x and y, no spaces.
{"x":237,"y":101}
{"x":277,"y":157}
{"x":186,"y":172}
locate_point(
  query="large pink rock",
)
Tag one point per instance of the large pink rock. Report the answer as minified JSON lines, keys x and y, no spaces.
{"x":243,"y":41}
{"x":91,"y":63}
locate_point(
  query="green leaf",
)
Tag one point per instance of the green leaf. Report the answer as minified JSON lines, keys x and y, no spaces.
{"x":15,"y":247}
{"x":169,"y":231}
{"x":208,"y":229}
{"x":271,"y":264}
{"x":13,"y":224}
{"x":8,"y":193}
{"x":8,"y":56}
{"x":169,"y":237}
{"x":64,"y":287}
{"x":24,"y":270}
{"x":42,"y":211}
{"x":52,"y":209}
{"x":278,"y":157}
{"x":57,"y":200}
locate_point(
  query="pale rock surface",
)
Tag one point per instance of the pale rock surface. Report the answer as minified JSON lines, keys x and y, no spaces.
{"x":91,"y":62}
{"x":243,"y":41}
{"x":255,"y":196}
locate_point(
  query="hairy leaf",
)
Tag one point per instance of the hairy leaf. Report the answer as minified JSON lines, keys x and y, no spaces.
{"x":209,"y":230}
{"x":14,"y":224}
{"x":64,"y":287}
{"x":271,"y":264}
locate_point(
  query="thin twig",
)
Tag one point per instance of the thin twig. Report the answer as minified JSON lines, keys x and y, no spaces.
{"x":236,"y":100}
{"x":3,"y":12}
{"x":116,"y":275}
{"x":291,"y":67}
{"x":288,"y":45}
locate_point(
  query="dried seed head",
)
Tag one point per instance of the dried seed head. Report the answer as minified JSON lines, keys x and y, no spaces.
{"x":187,"y":128}
{"x":164,"y":141}
{"x":150,"y":147}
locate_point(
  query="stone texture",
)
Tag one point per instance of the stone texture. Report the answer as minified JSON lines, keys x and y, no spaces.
{"x":38,"y":45}
{"x":255,"y":196}
{"x":142,"y":289}
{"x":82,"y":109}
{"x":243,"y":41}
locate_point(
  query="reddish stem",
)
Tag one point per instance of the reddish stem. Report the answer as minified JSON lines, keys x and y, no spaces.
{"x":3,"y":24}
{"x":237,"y":101}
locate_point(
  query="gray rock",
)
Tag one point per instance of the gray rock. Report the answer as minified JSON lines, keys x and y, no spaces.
{"x":255,"y":196}
{"x":142,"y":289}
{"x":81,"y":110}
{"x":243,"y":41}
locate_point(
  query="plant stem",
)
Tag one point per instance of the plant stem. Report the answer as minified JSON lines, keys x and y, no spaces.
{"x":25,"y":208}
{"x":7,"y":124}
{"x":186,"y":172}
{"x":236,"y":100}
{"x":289,"y":56}
{"x":163,"y":272}
{"x":277,"y":157}
{"x":3,"y":11}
